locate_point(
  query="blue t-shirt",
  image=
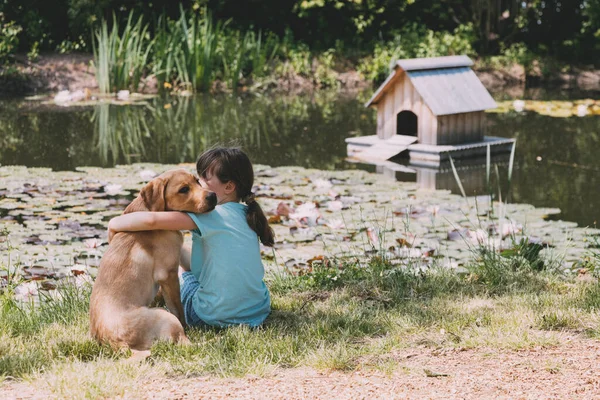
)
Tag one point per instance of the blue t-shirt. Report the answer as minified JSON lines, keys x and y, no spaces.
{"x":226,"y":261}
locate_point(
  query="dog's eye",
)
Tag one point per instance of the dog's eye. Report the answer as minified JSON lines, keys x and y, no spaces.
{"x":184,"y":189}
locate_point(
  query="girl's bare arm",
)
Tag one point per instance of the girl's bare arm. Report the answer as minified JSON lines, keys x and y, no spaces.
{"x":185,"y":257}
{"x":149,"y":221}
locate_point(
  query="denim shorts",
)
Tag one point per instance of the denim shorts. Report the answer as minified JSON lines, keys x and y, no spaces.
{"x":189,"y":285}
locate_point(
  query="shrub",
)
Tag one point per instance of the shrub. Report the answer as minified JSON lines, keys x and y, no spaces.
{"x":9,"y":32}
{"x":415,"y":42}
{"x":516,"y":53}
{"x":325,"y":76}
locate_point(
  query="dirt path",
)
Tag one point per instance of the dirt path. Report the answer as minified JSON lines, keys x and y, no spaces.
{"x":568,"y":371}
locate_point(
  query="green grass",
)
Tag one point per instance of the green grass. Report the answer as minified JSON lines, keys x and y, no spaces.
{"x":344,"y":318}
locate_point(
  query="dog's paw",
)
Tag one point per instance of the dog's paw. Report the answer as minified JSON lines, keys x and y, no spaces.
{"x":138,"y":355}
{"x":183,"y":340}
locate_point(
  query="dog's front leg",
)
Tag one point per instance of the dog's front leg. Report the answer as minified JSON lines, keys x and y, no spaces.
{"x":170,"y":290}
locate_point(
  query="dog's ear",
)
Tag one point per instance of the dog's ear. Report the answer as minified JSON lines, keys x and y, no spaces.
{"x":153,"y":194}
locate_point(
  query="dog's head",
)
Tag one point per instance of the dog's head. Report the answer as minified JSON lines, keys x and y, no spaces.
{"x":177,"y":190}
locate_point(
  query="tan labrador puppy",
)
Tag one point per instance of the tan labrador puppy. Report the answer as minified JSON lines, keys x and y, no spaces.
{"x":136,"y":264}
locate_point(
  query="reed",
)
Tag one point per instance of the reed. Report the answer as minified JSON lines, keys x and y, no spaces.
{"x":185,"y":50}
{"x":189,"y":53}
{"x":164,"y":51}
{"x":262,"y":52}
{"x":196,"y":57}
{"x":121,"y":57}
{"x":234,"y":52}
{"x":104,"y":54}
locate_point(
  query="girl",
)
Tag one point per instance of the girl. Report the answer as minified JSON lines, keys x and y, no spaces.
{"x":222,"y":279}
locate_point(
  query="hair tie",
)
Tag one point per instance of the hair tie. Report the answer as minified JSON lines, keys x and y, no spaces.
{"x":249,"y":199}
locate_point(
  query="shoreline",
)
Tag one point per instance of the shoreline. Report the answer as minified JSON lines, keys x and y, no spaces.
{"x":51,"y":73}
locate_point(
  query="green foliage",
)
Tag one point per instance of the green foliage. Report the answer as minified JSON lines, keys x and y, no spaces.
{"x":516,"y":53}
{"x":196,"y":59}
{"x":194,"y":50}
{"x":234,"y":52}
{"x":69,"y":46}
{"x":359,"y":25}
{"x":591,"y":259}
{"x":324,"y":72}
{"x":299,"y":59}
{"x":9,"y":31}
{"x":34,"y":52}
{"x":415,"y":41}
{"x":525,"y":253}
{"x":121,"y":57}
{"x":513,"y":268}
{"x":379,"y":66}
{"x":262,"y":51}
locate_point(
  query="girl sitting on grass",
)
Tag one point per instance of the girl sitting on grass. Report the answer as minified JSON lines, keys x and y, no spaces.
{"x":222,"y":277}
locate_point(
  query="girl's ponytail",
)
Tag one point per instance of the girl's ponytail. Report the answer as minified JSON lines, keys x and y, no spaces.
{"x":258,"y":222}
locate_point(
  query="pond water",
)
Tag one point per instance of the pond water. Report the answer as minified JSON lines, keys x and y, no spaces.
{"x":556,"y":161}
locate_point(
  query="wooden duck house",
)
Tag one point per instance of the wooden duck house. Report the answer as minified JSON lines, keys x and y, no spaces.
{"x":431,"y":107}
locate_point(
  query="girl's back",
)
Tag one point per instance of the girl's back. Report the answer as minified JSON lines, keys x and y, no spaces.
{"x":226,"y":261}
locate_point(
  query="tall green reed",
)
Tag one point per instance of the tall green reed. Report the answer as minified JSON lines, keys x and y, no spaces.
{"x":190,"y":53}
{"x":234,"y":52}
{"x":121,"y":58}
{"x":262,"y":49}
{"x":194,"y":50}
{"x":185,"y":50}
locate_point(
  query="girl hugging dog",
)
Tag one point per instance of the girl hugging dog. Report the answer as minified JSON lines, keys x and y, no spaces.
{"x":222,"y":276}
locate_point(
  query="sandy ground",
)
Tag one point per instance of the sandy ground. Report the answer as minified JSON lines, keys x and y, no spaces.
{"x":52,"y":73}
{"x":566,"y":371}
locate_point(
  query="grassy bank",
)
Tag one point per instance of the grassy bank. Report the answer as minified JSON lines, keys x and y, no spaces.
{"x":343,"y":318}
{"x":196,"y":52}
{"x":197,"y":45}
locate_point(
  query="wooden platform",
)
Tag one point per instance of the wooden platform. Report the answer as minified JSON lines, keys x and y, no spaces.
{"x":372,"y":150}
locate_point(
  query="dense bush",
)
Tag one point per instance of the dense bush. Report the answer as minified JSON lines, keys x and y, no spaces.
{"x":358,"y":25}
{"x":9,"y":40}
{"x":416,"y":41}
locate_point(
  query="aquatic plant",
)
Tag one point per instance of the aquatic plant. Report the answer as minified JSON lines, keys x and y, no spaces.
{"x":194,"y":51}
{"x":262,"y":49}
{"x":233,"y":51}
{"x":121,"y":58}
{"x":185,"y":50}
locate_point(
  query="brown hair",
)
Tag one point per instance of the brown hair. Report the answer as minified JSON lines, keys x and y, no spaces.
{"x":232,"y":164}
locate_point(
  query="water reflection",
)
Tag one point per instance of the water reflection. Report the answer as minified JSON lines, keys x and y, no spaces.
{"x":302,"y":130}
{"x":472,"y":174}
{"x":556,"y":162}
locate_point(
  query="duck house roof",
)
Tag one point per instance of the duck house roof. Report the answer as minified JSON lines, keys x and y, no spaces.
{"x":446,"y":84}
